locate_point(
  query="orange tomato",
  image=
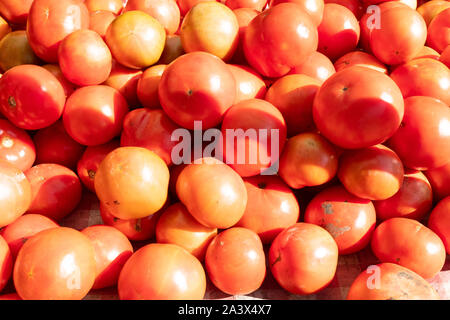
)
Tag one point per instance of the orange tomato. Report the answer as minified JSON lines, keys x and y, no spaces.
{"x":249,"y":83}
{"x":99,"y":21}
{"x":427,"y":52}
{"x":55,"y":70}
{"x":360,"y":58}
{"x":15,"y":11}
{"x":317,"y":66}
{"x":249,"y":4}
{"x":15,"y":50}
{"x":314,"y":8}
{"x":114,"y":6}
{"x":6,"y":263}
{"x":186,"y":5}
{"x":147,"y":86}
{"x":439,"y":31}
{"x":431,"y":9}
{"x":439,"y":222}
{"x":243,"y":16}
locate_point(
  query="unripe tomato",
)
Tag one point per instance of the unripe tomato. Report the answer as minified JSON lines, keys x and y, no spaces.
{"x":15,"y":50}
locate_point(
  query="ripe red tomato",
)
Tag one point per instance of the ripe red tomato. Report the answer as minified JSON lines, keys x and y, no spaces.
{"x":248,"y":4}
{"x":16,"y":12}
{"x":55,"y":264}
{"x":16,"y":146}
{"x":314,"y":8}
{"x":340,"y":108}
{"x":176,"y":275}
{"x":243,"y":16}
{"x":355,"y":6}
{"x":172,"y":49}
{"x":114,"y":6}
{"x":94,"y":115}
{"x":439,"y":222}
{"x":50,"y":21}
{"x":10,"y":296}
{"x":6,"y":263}
{"x":303,"y":258}
{"x":431,"y":9}
{"x":197,"y":86}
{"x":55,"y":70}
{"x":439,"y":31}
{"x":445,"y":56}
{"x":22,"y":87}
{"x":423,"y":140}
{"x":249,"y":84}
{"x":360,"y":58}
{"x":439,"y":179}
{"x":317,"y":66}
{"x":271,"y":207}
{"x":15,"y":50}
{"x":286,"y":23}
{"x":147,"y":86}
{"x":125,"y":80}
{"x":410,"y":244}
{"x":99,"y":21}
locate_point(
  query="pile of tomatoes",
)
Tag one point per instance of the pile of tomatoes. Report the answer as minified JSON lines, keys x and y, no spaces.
{"x":352,"y":100}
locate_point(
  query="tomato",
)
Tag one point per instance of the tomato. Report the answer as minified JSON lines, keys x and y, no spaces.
{"x":6,"y":263}
{"x":16,"y":146}
{"x":243,"y":16}
{"x":15,"y":50}
{"x":90,"y":160}
{"x":50,"y":21}
{"x":445,"y":56}
{"x":271,"y":207}
{"x":10,"y":296}
{"x":389,"y":281}
{"x":99,"y":21}
{"x":431,"y":9}
{"x":439,"y":179}
{"x":317,"y":66}
{"x":21,"y":88}
{"x":55,"y":264}
{"x":114,"y":6}
{"x":360,"y":58}
{"x":303,"y":258}
{"x":439,"y":222}
{"x":249,"y":83}
{"x":112,"y":250}
{"x":93,"y":115}
{"x":235,"y":261}
{"x":423,"y":140}
{"x":197,"y":86}
{"x":186,"y":5}
{"x":147,"y":86}
{"x":132,"y":182}
{"x":340,"y":108}
{"x":314,"y":8}
{"x":293,"y":95}
{"x":54,"y":69}
{"x":286,"y":23}
{"x":15,"y":197}
{"x":15,"y":11}
{"x":248,"y":4}
{"x":54,"y":145}
{"x":172,"y":49}
{"x":355,"y":6}
{"x":427,"y":52}
{"x":140,"y":31}
{"x":165,"y":11}
{"x":439,"y":31}
{"x":24,"y":227}
{"x":227,"y":197}
{"x":176,"y":275}
{"x":4,"y":27}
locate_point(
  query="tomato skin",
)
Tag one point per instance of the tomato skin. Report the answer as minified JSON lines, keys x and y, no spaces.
{"x":355,"y":6}
{"x":55,"y":70}
{"x":439,"y":179}
{"x":48,"y":24}
{"x":16,"y":146}
{"x":439,"y":31}
{"x":314,"y":8}
{"x":43,"y":259}
{"x":114,"y":6}
{"x":317,"y":66}
{"x":445,"y":56}
{"x":125,"y":80}
{"x":148,"y":84}
{"x":15,"y":50}
{"x":14,"y":11}
{"x":396,"y":283}
{"x":346,"y":122}
{"x":176,"y":275}
{"x":243,"y":16}
{"x":6,"y":263}
{"x":294,"y":262}
{"x":172,"y":49}
{"x":427,"y":52}
{"x":410,"y":244}
{"x":439,"y":222}
{"x":21,"y":87}
{"x":360,"y":58}
{"x":10,"y":296}
{"x":249,"y":4}
{"x":249,"y":84}
{"x":99,"y":21}
{"x":431,"y":9}
{"x":4,"y":28}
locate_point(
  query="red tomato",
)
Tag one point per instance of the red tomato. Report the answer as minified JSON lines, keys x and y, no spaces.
{"x":147,"y":86}
{"x":176,"y":275}
{"x":439,"y":179}
{"x":355,"y":6}
{"x":172,"y":49}
{"x":431,"y":9}
{"x":54,"y":69}
{"x":244,"y":16}
{"x":16,"y":12}
{"x":439,"y":31}
{"x":317,"y":66}
{"x":427,"y":52}
{"x":303,"y":258}
{"x":114,"y":6}
{"x":10,"y":296}
{"x":197,"y":86}
{"x":249,"y":84}
{"x":50,"y":21}
{"x":360,"y":58}
{"x":340,"y":108}
{"x":6,"y":263}
{"x":99,"y":21}
{"x":94,"y":115}
{"x":16,"y":146}
{"x":271,"y":207}
{"x":249,"y":4}
{"x":314,"y":8}
{"x":445,"y":56}
{"x":21,"y":88}
{"x":439,"y":222}
{"x":15,"y":50}
{"x":55,"y":264}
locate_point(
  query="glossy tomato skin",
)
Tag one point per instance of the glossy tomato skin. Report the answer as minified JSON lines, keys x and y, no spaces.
{"x":15,"y":50}
{"x":303,"y":258}
{"x":349,"y":219}
{"x":430,"y":9}
{"x":439,"y":179}
{"x":94,"y":115}
{"x":55,"y":70}
{"x":21,"y":88}
{"x":16,"y":146}
{"x":360,"y":58}
{"x":197,"y":86}
{"x":346,"y":122}
{"x":6,"y":263}
{"x":249,"y":84}
{"x":410,"y":244}
{"x":15,"y":12}
{"x":439,"y":31}
{"x":355,"y":6}
{"x":439,"y":222}
{"x":279,"y":24}
{"x":317,"y":66}
{"x":114,"y":6}
{"x":61,"y":258}
{"x":315,"y":9}
{"x":176,"y":275}
{"x":50,"y":21}
{"x":99,"y":21}
{"x":148,"y":84}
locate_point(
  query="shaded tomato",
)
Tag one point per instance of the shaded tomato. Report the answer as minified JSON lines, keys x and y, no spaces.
{"x":249,"y":4}
{"x":314,"y":8}
{"x":186,"y":5}
{"x":431,"y":9}
{"x":4,"y":27}
{"x":14,"y":11}
{"x":427,"y":52}
{"x":148,"y":84}
{"x":6,"y":263}
{"x":355,"y":6}
{"x":55,"y":70}
{"x":439,"y":179}
{"x":16,"y":146}
{"x":439,"y":222}
{"x":99,"y":21}
{"x":10,"y":296}
{"x":172,"y":49}
{"x":15,"y":50}
{"x":317,"y":66}
{"x":249,"y":83}
{"x":439,"y":31}
{"x":360,"y":58}
{"x":114,"y":6}
{"x":243,"y":16}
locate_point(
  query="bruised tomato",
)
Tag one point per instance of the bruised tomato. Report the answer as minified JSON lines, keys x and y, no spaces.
{"x":317,"y":66}
{"x":439,"y":179}
{"x":6,"y":263}
{"x":360,"y":58}
{"x":16,"y":12}
{"x":15,"y":50}
{"x":249,"y":84}
{"x":314,"y":8}
{"x":16,"y":146}
{"x":172,"y":49}
{"x":148,"y":84}
{"x":99,"y":21}
{"x":114,"y":6}
{"x":439,"y":31}
{"x":439,"y":222}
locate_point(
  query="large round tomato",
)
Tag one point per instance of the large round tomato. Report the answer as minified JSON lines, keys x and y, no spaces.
{"x":431,"y":9}
{"x":16,"y":146}
{"x":249,"y":84}
{"x":317,"y":66}
{"x":125,"y":80}
{"x":99,"y":21}
{"x":172,"y":49}
{"x":114,"y":6}
{"x":439,"y":179}
{"x":6,"y":263}
{"x":439,"y":222}
{"x":14,"y":11}
{"x":314,"y":8}
{"x":340,"y":109}
{"x":148,"y":84}
{"x":55,"y":264}
{"x":360,"y":58}
{"x":15,"y":50}
{"x":439,"y":31}
{"x":175,"y":274}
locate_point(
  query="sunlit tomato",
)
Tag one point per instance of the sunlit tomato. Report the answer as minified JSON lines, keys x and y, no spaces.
{"x":54,"y":145}
{"x":55,"y":70}
{"x":243,"y":16}
{"x":140,"y":31}
{"x":197,"y":86}
{"x":10,"y":296}
{"x":360,"y":58}
{"x":293,"y":95}
{"x":15,"y":50}
{"x":172,"y":49}
{"x":439,"y":179}
{"x":6,"y":263}
{"x":132,"y":182}
{"x":50,"y":21}
{"x":439,"y":222}
{"x":439,"y":31}
{"x":4,"y":27}
{"x":303,"y":258}
{"x":15,"y":197}
{"x":165,"y":11}
{"x":427,"y":52}
{"x":186,"y":5}
{"x":176,"y":275}
{"x":22,"y":87}
{"x":227,"y":196}
{"x":249,"y":83}
{"x":24,"y":227}
{"x":314,"y":8}
{"x":93,"y":115}
{"x":114,"y":6}
{"x":271,"y":207}
{"x":340,"y":109}
{"x":423,"y":140}
{"x":16,"y":146}
{"x":317,"y":66}
{"x":410,"y":244}
{"x":99,"y":21}
{"x":55,"y":264}
{"x":112,"y":250}
{"x":125,"y":80}
{"x":389,"y":281}
{"x":445,"y":56}
{"x":355,"y":6}
{"x":14,"y":11}
{"x":287,"y":24}
{"x":249,"y":4}
{"x":147,"y":86}
{"x":431,"y":9}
